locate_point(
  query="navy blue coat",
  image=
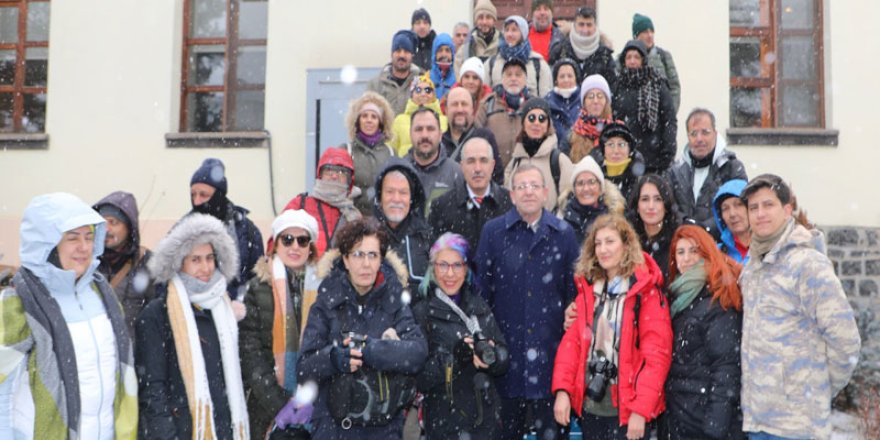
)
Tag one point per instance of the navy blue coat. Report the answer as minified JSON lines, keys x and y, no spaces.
{"x":564,"y":112}
{"x":528,"y":279}
{"x":383,"y":309}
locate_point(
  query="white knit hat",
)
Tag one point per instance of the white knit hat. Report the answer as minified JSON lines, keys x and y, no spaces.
{"x":595,"y":81}
{"x":475,"y":65}
{"x":295,"y":219}
{"x":588,"y":164}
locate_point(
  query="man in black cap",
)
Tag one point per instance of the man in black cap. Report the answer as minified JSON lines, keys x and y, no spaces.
{"x":124,"y":260}
{"x":394,"y":81}
{"x":421,"y":26}
{"x":208,"y":196}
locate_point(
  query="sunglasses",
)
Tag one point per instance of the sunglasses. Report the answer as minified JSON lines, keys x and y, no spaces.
{"x":302,"y":240}
{"x":428,"y":90}
{"x":532,"y":117}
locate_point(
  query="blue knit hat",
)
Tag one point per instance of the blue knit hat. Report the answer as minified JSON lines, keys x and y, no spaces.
{"x":212,"y":172}
{"x":404,"y":39}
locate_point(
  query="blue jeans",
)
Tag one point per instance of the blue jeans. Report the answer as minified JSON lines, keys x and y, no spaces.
{"x":764,"y":436}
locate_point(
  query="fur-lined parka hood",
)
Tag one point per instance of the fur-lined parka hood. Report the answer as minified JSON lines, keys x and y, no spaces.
{"x":387,"y":119}
{"x":189,"y":232}
{"x":333,"y":258}
{"x":611,"y":196}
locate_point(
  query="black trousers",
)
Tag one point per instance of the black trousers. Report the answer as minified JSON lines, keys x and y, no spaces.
{"x":520,"y":416}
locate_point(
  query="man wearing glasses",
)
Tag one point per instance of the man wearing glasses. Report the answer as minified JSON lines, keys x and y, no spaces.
{"x":525,"y":262}
{"x":705,"y":165}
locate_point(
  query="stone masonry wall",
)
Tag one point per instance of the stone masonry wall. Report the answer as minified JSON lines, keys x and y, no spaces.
{"x":855,"y":253}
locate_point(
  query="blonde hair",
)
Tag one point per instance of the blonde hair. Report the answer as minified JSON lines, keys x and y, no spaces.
{"x":588,"y":264}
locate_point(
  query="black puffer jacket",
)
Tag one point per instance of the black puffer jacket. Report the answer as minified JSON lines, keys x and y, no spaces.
{"x":456,"y":212}
{"x":422,"y":55}
{"x":412,"y":238}
{"x":469,"y":403}
{"x":703,"y":385}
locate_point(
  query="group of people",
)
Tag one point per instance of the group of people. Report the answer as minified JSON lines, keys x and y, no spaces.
{"x":502,"y":248}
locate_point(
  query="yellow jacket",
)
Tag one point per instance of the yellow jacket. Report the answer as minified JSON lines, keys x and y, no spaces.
{"x":401,"y":141}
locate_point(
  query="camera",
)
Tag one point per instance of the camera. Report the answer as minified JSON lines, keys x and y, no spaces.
{"x":601,"y":372}
{"x":483,"y":349}
{"x":357,"y":340}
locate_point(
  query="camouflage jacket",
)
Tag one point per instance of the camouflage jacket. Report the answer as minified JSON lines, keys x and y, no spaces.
{"x":800,"y":343}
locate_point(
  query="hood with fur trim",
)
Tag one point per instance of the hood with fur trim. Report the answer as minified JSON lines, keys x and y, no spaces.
{"x":333,"y":259}
{"x":354,"y":109}
{"x":189,"y":232}
{"x":611,"y":197}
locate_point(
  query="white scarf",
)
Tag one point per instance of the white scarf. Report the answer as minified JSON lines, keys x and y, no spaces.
{"x":565,"y":93}
{"x":583,"y":46}
{"x":198,"y":392}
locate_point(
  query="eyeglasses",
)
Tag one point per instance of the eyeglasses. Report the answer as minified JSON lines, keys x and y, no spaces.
{"x":443,"y":267}
{"x":335,"y":170}
{"x":525,"y":186}
{"x":427,"y":90}
{"x":619,"y":144}
{"x":704,"y":132}
{"x":592,"y":183}
{"x":361,"y":256}
{"x":540,"y":118}
{"x":597,"y":96}
{"x":302,"y":240}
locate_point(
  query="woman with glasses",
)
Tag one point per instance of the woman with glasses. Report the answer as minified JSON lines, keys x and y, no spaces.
{"x":278,"y":300}
{"x":536,"y":145}
{"x":612,"y":362}
{"x":620,"y":161}
{"x":421,"y":94}
{"x":703,"y":387}
{"x":361,"y":345}
{"x":591,"y":197}
{"x":466,"y":349}
{"x":652,"y":212}
{"x":595,"y":114}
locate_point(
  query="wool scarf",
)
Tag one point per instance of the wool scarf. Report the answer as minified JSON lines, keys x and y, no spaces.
{"x":184,"y":292}
{"x":565,"y":93}
{"x":286,"y":319}
{"x":371,"y":140}
{"x":647,"y":81}
{"x":760,"y":246}
{"x":337,"y":195}
{"x":615,"y":169}
{"x":686,"y":287}
{"x":582,"y":46}
{"x":512,"y":101}
{"x":520,"y":51}
{"x":589,"y":127}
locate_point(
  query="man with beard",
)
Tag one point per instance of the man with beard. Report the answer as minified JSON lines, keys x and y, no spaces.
{"x":460,"y":113}
{"x":124,"y":260}
{"x":208,"y":196}
{"x":484,"y":39}
{"x":544,"y":36}
{"x":399,"y":204}
{"x":421,"y":26}
{"x":429,"y":161}
{"x":473,"y":201}
{"x":394,"y":81}
{"x":441,"y":68}
{"x":587,"y":48}
{"x":499,"y":112}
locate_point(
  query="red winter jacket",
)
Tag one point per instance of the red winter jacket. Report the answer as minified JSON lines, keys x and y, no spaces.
{"x":325,"y":214}
{"x":642,"y":370}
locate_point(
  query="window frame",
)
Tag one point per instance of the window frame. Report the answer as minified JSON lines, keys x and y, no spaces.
{"x":17,"y":136}
{"x":230,"y":87}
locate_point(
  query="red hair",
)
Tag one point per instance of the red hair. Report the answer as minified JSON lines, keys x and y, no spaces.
{"x":722,"y":272}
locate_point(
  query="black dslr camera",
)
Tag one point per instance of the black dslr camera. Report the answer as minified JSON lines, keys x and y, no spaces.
{"x":483,"y":349}
{"x":358,"y":340}
{"x":601,"y":372}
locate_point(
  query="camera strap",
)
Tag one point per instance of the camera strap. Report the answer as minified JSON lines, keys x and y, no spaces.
{"x":597,"y":311}
{"x":472,"y":324}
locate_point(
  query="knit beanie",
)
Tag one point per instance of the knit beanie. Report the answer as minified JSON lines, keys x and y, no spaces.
{"x":485,"y":7}
{"x":534,"y":103}
{"x":641,"y":23}
{"x":618,"y":129}
{"x":563,"y":62}
{"x":475,"y":65}
{"x":404,"y":39}
{"x":521,"y":23}
{"x":547,"y":3}
{"x":295,"y":218}
{"x":212,"y":172}
{"x":595,"y":81}
{"x":421,"y":14}
{"x":589,"y":165}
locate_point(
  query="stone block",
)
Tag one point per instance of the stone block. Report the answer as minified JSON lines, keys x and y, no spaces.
{"x":872,"y":267}
{"x":843,"y":237}
{"x":848,"y":268}
{"x":868,"y":288}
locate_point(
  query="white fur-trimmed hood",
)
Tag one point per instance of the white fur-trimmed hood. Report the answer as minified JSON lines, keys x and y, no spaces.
{"x":189,"y":232}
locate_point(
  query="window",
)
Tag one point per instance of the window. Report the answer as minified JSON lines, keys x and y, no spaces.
{"x":24,"y":64}
{"x":224,"y":65}
{"x":776,"y":64}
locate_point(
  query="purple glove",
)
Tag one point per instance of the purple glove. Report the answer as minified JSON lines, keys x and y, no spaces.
{"x":290,"y":414}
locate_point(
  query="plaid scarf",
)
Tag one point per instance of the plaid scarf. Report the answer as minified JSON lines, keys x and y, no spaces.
{"x":647,"y":81}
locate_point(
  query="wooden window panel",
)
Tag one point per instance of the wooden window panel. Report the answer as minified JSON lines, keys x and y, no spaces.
{"x":195,"y":89}
{"x":23,"y":83}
